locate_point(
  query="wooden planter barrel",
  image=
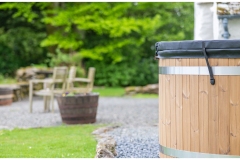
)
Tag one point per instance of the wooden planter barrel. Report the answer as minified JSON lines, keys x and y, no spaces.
{"x":198,"y":119}
{"x":78,"y":109}
{"x":6,"y":95}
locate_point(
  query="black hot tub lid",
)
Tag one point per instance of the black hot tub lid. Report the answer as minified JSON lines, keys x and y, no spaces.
{"x":194,"y":49}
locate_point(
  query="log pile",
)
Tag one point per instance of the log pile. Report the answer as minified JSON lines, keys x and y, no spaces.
{"x":150,"y":89}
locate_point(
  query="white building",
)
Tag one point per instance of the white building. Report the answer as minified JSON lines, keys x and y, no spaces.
{"x":209,"y":24}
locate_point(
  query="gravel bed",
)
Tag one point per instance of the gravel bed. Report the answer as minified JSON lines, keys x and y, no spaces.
{"x":17,"y":115}
{"x":128,"y":111}
{"x":136,"y":142}
{"x":137,"y":136}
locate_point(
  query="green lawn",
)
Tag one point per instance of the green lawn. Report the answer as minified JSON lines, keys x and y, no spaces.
{"x":110,"y":91}
{"x":120,"y":92}
{"x":7,"y":80}
{"x":141,"y":95}
{"x":75,"y":141}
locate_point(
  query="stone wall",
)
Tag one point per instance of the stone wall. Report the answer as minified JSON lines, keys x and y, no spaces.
{"x":23,"y":75}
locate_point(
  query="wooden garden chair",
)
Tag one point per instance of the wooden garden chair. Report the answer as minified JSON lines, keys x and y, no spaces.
{"x":87,"y":82}
{"x":55,"y":85}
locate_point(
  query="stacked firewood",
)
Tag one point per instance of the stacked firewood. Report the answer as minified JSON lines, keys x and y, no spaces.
{"x":150,"y":88}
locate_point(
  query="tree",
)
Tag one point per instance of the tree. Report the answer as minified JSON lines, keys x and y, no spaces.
{"x":20,"y":40}
{"x":116,"y":38}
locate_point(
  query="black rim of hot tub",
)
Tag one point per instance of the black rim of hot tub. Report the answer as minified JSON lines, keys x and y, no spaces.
{"x":199,"y":49}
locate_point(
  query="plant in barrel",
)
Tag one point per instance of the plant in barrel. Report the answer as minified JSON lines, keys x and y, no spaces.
{"x":78,"y":105}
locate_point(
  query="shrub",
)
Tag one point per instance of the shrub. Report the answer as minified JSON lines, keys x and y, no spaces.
{"x":125,"y":73}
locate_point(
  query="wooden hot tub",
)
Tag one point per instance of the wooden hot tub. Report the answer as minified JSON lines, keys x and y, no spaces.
{"x":199,"y":104}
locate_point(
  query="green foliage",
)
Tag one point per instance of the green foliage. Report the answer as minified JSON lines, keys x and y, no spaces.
{"x":129,"y":59}
{"x":125,"y":73}
{"x":19,"y":40}
{"x":18,"y":49}
{"x":73,"y":141}
{"x":108,"y":22}
{"x":117,"y":38}
{"x":66,"y":59}
{"x":7,"y":57}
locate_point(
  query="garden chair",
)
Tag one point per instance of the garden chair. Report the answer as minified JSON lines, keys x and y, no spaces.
{"x":55,"y":85}
{"x":88,"y":82}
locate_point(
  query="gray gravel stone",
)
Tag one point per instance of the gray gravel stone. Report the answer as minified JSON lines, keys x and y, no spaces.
{"x":136,"y":142}
{"x":128,"y":111}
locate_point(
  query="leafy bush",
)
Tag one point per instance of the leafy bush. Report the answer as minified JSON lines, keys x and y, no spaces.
{"x":116,"y":38}
{"x":66,"y":59}
{"x":125,"y":73}
{"x":20,"y":47}
{"x":7,"y":58}
{"x":146,"y":72}
{"x":19,"y":41}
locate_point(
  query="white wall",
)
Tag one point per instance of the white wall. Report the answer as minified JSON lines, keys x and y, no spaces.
{"x":207,"y":26}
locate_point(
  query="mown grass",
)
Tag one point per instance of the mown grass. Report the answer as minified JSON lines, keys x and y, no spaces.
{"x":7,"y":80}
{"x":110,"y":91}
{"x":120,"y":92}
{"x":75,"y":141}
{"x":145,"y":95}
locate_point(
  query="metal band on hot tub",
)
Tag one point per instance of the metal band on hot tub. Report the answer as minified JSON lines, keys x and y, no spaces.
{"x":187,"y":154}
{"x":195,"y":70}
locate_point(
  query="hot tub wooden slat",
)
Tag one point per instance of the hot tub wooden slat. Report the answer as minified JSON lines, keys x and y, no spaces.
{"x":194,"y":110}
{"x":186,"y":108}
{"x":234,"y":111}
{"x":173,"y":107}
{"x":162,"y":109}
{"x":203,"y":110}
{"x":223,"y":107}
{"x":167,"y":106}
{"x":204,"y":118}
{"x":179,"y":112}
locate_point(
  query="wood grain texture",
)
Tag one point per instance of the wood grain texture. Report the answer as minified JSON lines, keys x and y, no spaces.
{"x":160,"y":90}
{"x":197,"y":116}
{"x":194,"y":115}
{"x":203,"y":110}
{"x":179,"y":112}
{"x":162,"y":108}
{"x":213,"y":114}
{"x":167,"y":107}
{"x":223,"y":105}
{"x":173,"y":107}
{"x":186,"y":108}
{"x":234,"y":84}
